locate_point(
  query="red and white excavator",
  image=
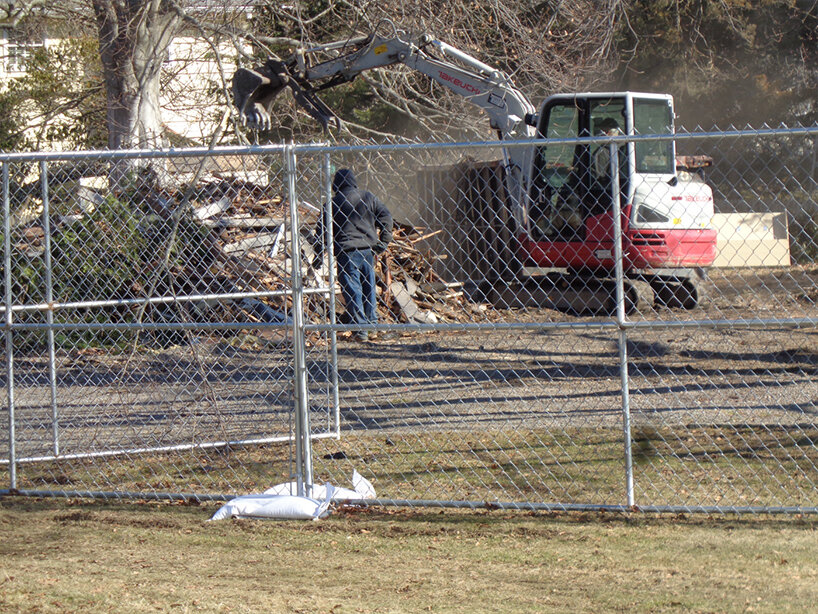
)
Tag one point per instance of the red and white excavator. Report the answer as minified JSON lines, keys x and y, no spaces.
{"x":559,"y":188}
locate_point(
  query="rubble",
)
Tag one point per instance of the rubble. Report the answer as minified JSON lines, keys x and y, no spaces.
{"x":415,"y":293}
{"x":245,"y":230}
{"x":410,"y":292}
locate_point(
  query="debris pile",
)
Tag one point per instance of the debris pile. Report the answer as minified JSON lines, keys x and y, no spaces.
{"x":254,"y":241}
{"x":237,"y":239}
{"x":412,"y":291}
{"x":251,"y":231}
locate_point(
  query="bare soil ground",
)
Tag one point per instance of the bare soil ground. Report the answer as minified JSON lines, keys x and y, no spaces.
{"x":749,"y":389}
{"x":564,"y":373}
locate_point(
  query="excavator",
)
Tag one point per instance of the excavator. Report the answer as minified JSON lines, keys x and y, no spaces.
{"x":560,"y":188}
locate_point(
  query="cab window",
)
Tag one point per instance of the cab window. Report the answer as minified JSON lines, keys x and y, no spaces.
{"x":607,"y":119}
{"x":557,"y":161}
{"x":555,"y":166}
{"x":653,"y":117}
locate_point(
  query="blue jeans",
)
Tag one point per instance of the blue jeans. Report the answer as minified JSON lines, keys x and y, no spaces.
{"x":356,"y":275}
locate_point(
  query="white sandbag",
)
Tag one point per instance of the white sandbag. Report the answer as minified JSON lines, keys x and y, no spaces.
{"x":362,"y":489}
{"x":276,"y":506}
{"x":362,"y":486}
{"x":318,"y":491}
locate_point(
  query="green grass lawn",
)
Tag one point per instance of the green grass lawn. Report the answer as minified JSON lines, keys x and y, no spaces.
{"x":729,"y":466}
{"x":60,"y":555}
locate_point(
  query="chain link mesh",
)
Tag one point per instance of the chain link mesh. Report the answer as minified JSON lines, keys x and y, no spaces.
{"x":153,"y":329}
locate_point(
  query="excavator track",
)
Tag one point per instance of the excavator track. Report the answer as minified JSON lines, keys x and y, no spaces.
{"x":583,"y":295}
{"x":639,"y":296}
{"x":681,"y":293}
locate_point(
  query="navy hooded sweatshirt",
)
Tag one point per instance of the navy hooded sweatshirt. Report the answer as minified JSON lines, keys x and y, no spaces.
{"x":359,"y":219}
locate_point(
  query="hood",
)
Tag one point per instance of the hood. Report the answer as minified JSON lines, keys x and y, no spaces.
{"x":344,"y":178}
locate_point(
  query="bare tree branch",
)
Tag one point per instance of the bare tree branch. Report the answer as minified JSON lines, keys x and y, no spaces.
{"x":14,"y":11}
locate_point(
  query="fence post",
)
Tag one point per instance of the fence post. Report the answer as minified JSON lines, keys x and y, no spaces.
{"x":49,"y":313}
{"x":303,"y":447}
{"x":7,"y":325}
{"x":621,"y":320}
{"x":330,"y":252}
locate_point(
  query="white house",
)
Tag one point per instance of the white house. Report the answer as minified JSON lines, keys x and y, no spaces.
{"x":191,"y":100}
{"x":15,"y":50}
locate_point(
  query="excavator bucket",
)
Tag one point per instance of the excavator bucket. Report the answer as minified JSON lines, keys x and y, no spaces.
{"x":254,"y":91}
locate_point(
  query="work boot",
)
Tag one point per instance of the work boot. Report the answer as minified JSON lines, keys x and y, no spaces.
{"x":361,"y":335}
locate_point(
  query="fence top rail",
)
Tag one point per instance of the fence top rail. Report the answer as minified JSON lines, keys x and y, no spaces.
{"x":322,"y":148}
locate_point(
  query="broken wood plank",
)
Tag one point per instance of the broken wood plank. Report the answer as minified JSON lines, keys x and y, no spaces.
{"x":213,"y":209}
{"x":244,"y":221}
{"x":426,"y":236}
{"x":406,"y":303}
{"x":257,"y":242}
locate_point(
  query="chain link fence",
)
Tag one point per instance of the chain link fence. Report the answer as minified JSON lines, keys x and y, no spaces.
{"x":169,"y":332}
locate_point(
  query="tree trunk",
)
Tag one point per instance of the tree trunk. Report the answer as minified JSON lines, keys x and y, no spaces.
{"x":134,"y":36}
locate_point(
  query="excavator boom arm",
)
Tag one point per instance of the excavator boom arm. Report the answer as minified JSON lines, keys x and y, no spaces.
{"x":254,"y":90}
{"x":510,"y":112}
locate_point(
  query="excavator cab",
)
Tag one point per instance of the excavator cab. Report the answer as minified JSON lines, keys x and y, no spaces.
{"x":572,"y":180}
{"x":570,"y":220}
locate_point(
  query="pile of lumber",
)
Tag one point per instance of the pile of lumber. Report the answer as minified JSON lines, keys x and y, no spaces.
{"x":251,"y":231}
{"x":412,"y":292}
{"x":255,"y":244}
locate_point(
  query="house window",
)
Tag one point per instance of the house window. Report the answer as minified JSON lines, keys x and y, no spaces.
{"x":19,"y":51}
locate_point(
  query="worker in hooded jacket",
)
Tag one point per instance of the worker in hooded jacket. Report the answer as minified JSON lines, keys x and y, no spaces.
{"x":361,"y":228}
